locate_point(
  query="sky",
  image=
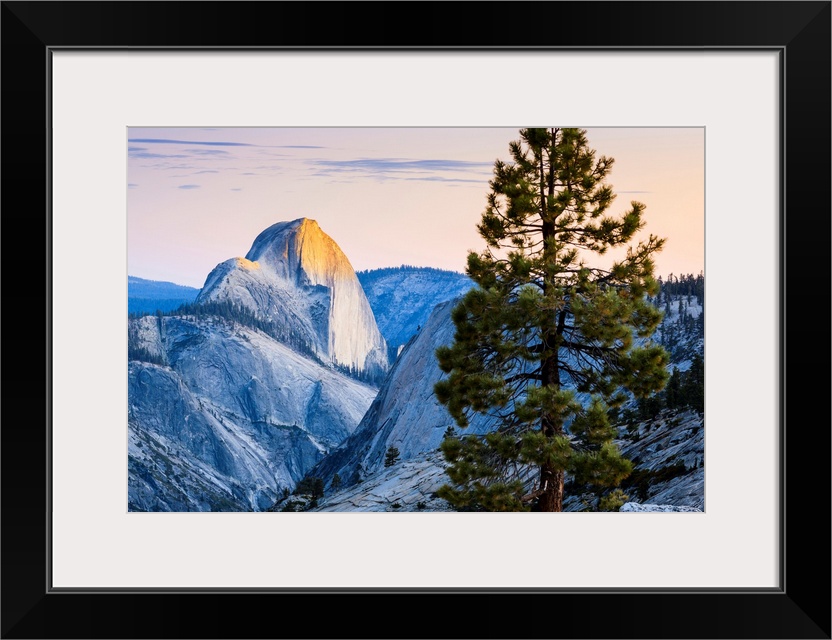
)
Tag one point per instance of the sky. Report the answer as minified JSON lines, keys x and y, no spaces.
{"x":199,"y":196}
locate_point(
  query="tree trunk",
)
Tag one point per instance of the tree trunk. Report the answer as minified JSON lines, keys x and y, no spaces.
{"x":551,"y":481}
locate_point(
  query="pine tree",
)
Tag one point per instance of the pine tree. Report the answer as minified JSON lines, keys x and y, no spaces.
{"x":391,"y":457}
{"x":693,"y":387}
{"x":542,"y":324}
{"x":673,"y":392}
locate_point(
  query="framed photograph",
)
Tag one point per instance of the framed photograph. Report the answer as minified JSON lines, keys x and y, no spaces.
{"x":288,"y":288}
{"x":155,"y":137}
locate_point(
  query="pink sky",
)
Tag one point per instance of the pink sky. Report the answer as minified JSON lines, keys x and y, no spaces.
{"x":387,"y":196}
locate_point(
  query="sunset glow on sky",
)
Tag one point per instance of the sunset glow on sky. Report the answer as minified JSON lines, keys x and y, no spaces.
{"x":199,"y":196}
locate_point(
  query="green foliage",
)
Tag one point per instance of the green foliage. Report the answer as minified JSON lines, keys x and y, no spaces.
{"x":613,"y":501}
{"x":683,"y":391}
{"x":293,"y":506}
{"x":693,"y":385}
{"x":391,"y":457}
{"x":311,"y":487}
{"x":336,"y":482}
{"x":544,"y":323}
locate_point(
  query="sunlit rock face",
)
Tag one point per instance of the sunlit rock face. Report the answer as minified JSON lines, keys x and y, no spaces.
{"x":297,"y":277}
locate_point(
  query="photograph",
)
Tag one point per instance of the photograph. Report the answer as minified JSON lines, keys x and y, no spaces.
{"x":417,"y":282}
{"x":416,"y":319}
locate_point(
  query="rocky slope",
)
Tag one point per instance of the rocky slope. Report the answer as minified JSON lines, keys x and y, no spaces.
{"x":669,"y":475}
{"x":405,"y":414}
{"x":297,"y":277}
{"x":406,"y":486}
{"x":668,"y":450}
{"x":224,"y":417}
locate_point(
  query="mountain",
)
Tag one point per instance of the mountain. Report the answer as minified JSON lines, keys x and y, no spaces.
{"x":296,"y":276}
{"x":667,"y":447}
{"x":148,"y":296}
{"x":403,"y":297}
{"x":222,"y":417}
{"x":405,"y":414}
{"x":232,"y":399}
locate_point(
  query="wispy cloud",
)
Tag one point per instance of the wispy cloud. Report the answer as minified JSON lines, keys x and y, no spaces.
{"x":208,"y":152}
{"x":146,"y":155}
{"x":223,"y":143}
{"x":236,"y":188}
{"x":206,"y":171}
{"x":400,"y":165}
{"x":132,"y":185}
{"x":189,"y":186}
{"x":442,"y":179}
{"x":191,"y":142}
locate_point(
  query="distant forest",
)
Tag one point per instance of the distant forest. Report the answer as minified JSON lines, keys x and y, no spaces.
{"x":682,"y":333}
{"x":684,"y":285}
{"x":386,"y":271}
{"x":146,"y":296}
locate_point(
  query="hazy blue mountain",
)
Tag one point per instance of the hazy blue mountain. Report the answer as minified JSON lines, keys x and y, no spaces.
{"x":402,"y":298}
{"x":148,"y":296}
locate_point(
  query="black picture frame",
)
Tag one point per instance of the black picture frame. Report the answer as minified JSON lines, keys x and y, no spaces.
{"x":799,"y":31}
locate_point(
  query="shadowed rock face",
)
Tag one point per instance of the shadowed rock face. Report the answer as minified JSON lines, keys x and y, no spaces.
{"x":405,"y":414}
{"x":232,"y":417}
{"x":297,"y":277}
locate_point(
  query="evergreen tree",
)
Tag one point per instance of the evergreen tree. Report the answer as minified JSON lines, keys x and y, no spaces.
{"x":673,"y":392}
{"x":391,"y":457}
{"x":544,"y":323}
{"x":693,"y":386}
{"x":311,"y":486}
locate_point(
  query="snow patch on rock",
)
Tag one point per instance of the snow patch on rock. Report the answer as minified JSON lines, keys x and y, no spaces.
{"x":635,"y":507}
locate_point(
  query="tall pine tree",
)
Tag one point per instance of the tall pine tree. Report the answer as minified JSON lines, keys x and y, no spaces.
{"x":545,"y":323}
